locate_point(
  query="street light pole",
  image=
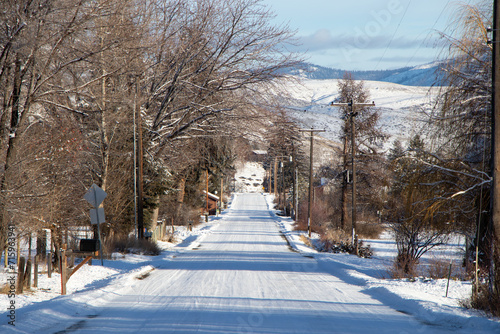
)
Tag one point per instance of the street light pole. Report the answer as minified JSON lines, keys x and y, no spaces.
{"x":352,"y":115}
{"x":294,"y":160}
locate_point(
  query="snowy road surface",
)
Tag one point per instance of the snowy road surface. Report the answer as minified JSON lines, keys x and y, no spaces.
{"x":242,"y":278}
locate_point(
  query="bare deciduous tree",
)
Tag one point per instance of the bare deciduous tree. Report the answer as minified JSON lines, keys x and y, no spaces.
{"x":194,"y":71}
{"x":40,"y":53}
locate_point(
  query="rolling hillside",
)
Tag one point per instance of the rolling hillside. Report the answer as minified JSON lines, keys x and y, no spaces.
{"x":401,"y":107}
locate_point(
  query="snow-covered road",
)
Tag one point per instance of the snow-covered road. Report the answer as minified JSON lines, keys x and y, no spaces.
{"x":241,"y":278}
{"x":244,"y":278}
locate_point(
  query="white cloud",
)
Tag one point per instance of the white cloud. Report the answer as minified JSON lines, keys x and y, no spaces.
{"x":324,"y":40}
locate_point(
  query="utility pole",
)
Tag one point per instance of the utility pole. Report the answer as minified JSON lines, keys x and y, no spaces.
{"x":135,"y":161}
{"x":140,"y":181}
{"x":495,"y":138}
{"x":294,"y":183}
{"x":221,"y":201}
{"x":282,"y":192}
{"x":312,"y":131}
{"x":352,"y":115}
{"x":270,"y":179}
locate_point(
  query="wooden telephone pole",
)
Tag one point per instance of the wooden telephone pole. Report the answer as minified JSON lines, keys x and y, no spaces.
{"x":352,"y":114}
{"x":312,"y":131}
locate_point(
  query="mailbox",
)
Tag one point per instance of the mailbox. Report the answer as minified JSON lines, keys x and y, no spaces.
{"x":89,"y":245}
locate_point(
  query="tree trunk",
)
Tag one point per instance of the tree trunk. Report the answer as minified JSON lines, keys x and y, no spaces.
{"x":104,"y":133}
{"x":10,"y":153}
{"x":154,"y":218}
{"x":180,"y":196}
{"x":41,"y":244}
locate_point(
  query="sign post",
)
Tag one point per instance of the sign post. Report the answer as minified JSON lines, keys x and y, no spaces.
{"x":95,"y":195}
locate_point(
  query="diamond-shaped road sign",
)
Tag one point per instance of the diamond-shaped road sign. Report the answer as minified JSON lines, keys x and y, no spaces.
{"x":95,"y":195}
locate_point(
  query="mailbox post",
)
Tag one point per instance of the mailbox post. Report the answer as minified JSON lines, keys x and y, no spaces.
{"x":95,"y":195}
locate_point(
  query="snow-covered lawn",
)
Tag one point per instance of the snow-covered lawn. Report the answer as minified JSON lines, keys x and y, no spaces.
{"x":249,"y":178}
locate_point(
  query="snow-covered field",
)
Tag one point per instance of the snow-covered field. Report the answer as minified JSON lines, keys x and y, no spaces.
{"x":102,"y":295}
{"x":401,"y":107}
{"x":249,"y":177}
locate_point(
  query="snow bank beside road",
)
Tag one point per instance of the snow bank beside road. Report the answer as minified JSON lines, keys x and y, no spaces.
{"x":90,"y":283}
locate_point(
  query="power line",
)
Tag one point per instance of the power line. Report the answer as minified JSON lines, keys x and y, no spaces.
{"x":432,"y":28}
{"x":393,"y":35}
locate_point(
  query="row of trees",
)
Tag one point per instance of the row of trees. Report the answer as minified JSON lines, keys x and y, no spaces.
{"x":445,"y":180}
{"x":457,"y":167}
{"x":78,"y":77}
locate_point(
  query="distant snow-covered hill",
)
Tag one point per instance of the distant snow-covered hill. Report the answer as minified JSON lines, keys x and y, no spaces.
{"x":402,"y":108}
{"x":423,"y":75}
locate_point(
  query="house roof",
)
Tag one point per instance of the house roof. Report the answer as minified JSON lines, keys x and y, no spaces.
{"x":211,"y":196}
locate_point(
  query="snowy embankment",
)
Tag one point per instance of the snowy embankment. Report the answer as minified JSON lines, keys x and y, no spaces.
{"x":249,"y":177}
{"x":91,"y":283}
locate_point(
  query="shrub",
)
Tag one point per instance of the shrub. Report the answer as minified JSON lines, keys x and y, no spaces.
{"x":338,"y":241}
{"x":169,"y":237}
{"x":369,"y":230}
{"x":438,"y":268}
{"x":484,"y":301}
{"x":306,"y":241}
{"x":4,"y":289}
{"x":403,"y":267}
{"x":129,"y":244}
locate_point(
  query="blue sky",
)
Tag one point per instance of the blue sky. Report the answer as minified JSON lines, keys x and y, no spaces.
{"x":367,"y":34}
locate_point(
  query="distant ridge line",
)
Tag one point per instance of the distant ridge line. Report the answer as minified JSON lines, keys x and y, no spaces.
{"x":422,"y":75}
